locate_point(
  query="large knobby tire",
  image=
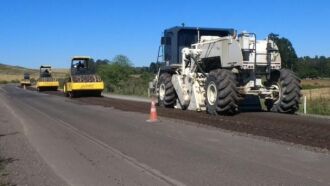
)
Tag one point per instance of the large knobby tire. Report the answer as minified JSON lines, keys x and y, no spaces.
{"x":166,"y":96}
{"x":221,"y":93}
{"x":290,"y":93}
{"x":98,"y":94}
{"x":72,"y":94}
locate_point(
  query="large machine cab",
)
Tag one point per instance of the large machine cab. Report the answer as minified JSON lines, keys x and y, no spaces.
{"x":45,"y":71}
{"x":177,"y":38}
{"x":79,"y":65}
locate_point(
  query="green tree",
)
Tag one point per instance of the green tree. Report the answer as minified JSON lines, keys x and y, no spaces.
{"x":122,"y":60}
{"x":102,"y":62}
{"x":116,"y":72}
{"x":154,"y":67}
{"x":91,"y":65}
{"x":288,"y":53}
{"x":313,"y":67}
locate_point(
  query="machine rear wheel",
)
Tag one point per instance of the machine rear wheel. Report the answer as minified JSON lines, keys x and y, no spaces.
{"x":167,"y":95}
{"x":221,"y":93}
{"x":72,"y":94}
{"x":289,"y":97}
{"x":98,"y":94}
{"x":65,"y":90}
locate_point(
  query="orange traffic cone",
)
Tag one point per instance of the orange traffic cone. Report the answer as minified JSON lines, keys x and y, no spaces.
{"x":153,"y":112}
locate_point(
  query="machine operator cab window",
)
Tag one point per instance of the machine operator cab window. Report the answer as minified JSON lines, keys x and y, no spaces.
{"x":177,"y":38}
{"x":26,"y":76}
{"x":79,"y":65}
{"x":45,"y":71}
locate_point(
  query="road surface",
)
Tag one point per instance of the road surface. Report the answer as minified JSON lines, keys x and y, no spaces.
{"x":94,"y":145}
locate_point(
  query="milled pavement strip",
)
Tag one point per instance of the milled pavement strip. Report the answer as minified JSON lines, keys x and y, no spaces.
{"x":145,"y":168}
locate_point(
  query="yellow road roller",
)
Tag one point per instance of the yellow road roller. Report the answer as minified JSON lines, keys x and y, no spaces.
{"x":82,"y":80}
{"x":26,"y":80}
{"x":46,"y":82}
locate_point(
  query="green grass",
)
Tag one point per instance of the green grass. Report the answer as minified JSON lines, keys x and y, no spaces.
{"x":315,"y":84}
{"x":318,"y":106}
{"x":11,"y":81}
{"x":309,"y":86}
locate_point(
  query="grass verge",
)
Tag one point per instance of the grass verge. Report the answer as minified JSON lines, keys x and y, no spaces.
{"x":319,"y":106}
{"x":315,"y":84}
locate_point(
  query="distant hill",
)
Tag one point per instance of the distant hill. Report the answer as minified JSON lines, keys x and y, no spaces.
{"x":9,"y":72}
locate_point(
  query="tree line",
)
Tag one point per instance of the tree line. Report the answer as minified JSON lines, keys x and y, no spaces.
{"x":304,"y":67}
{"x":316,"y":67}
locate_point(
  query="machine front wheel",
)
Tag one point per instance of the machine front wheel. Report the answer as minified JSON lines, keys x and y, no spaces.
{"x":166,"y":95}
{"x":72,"y":94}
{"x":221,"y":93}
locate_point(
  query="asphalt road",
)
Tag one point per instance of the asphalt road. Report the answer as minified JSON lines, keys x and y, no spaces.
{"x":92,"y":145}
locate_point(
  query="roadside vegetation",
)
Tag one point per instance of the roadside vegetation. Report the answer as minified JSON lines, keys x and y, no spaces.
{"x":315,"y":83}
{"x":318,"y":106}
{"x":6,"y":82}
{"x":318,"y":101}
{"x":121,"y":77}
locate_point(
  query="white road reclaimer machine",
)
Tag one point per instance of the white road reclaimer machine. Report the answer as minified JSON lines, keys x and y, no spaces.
{"x":214,"y":69}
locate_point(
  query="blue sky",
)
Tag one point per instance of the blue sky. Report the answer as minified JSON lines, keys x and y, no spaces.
{"x":34,"y":32}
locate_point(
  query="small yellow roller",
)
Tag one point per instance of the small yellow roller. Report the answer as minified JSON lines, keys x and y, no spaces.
{"x":26,"y":80}
{"x":46,"y":81}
